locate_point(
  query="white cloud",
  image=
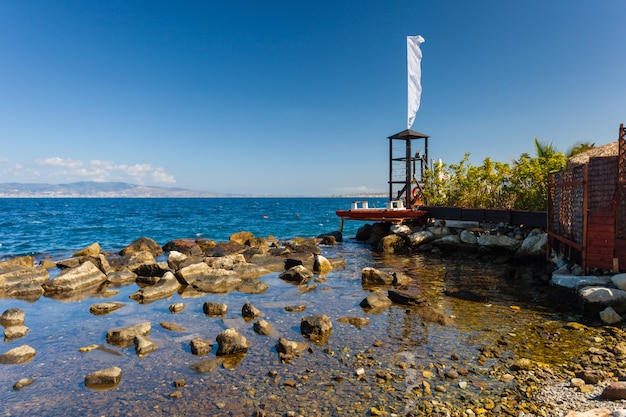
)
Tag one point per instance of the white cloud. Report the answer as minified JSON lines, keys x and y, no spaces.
{"x":59,"y":162}
{"x":69,"y":170}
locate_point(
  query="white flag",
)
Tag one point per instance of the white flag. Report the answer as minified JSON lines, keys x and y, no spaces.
{"x":414,"y":59}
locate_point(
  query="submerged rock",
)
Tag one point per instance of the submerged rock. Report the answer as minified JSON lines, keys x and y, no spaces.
{"x":23,"y":383}
{"x":101,"y":309}
{"x":20,"y":354}
{"x":104,"y":379}
{"x":124,"y":336}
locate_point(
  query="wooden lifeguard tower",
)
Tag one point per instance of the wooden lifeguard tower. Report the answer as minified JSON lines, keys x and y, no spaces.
{"x":406,"y":168}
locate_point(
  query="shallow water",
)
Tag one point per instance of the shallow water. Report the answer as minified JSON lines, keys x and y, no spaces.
{"x":322,"y":382}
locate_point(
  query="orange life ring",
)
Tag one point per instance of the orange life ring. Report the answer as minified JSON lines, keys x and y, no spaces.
{"x":416,"y":191}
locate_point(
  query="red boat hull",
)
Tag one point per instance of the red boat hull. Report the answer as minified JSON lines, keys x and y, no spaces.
{"x":383,"y":215}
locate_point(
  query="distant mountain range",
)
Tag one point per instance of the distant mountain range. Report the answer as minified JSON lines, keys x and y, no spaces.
{"x":98,"y":189}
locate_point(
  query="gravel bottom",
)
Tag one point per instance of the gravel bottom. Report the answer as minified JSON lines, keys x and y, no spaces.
{"x":565,"y":399}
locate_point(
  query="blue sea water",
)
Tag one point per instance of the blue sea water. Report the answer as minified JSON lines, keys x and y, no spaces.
{"x":60,"y":226}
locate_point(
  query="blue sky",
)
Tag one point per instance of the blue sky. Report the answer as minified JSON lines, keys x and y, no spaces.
{"x":295,"y":97}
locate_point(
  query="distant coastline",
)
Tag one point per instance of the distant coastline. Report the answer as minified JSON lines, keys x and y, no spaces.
{"x":92,"y":189}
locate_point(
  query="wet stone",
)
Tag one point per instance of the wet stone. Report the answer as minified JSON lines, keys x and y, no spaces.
{"x":104,"y":379}
{"x":200,"y":347}
{"x":20,"y":354}
{"x":12,"y":317}
{"x":23,"y":383}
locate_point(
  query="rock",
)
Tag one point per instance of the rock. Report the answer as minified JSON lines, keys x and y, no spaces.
{"x":21,"y":354}
{"x":610,"y":316}
{"x":595,"y":299}
{"x":374,"y":277}
{"x":143,"y":244}
{"x":187,"y":247}
{"x":316,"y":328}
{"x":104,"y":379}
{"x":214,"y":309}
{"x":101,"y":309}
{"x":401,"y":280}
{"x":176,"y":308}
{"x":164,"y":287}
{"x":144,"y":346}
{"x":92,"y":250}
{"x":355,"y":321}
{"x":218,"y":284}
{"x":400,"y":230}
{"x":151,"y":269}
{"x":15,"y":332}
{"x":241,"y":237}
{"x":295,"y":309}
{"x":23,"y":383}
{"x":418,"y":238}
{"x":206,"y":366}
{"x":121,"y":277}
{"x":406,"y":297}
{"x":522,"y":364}
{"x":534,"y":246}
{"x":468,"y":237}
{"x":12,"y":317}
{"x":377,"y":300}
{"x":619,"y":280}
{"x":262,"y":327}
{"x":430,"y":314}
{"x":288,"y":349}
{"x":225,"y":262}
{"x":82,"y":277}
{"x":124,"y":336}
{"x":189,"y":274}
{"x":172,"y":326}
{"x":498,"y":242}
{"x":392,"y":244}
{"x":249,"y":271}
{"x":16,"y":263}
{"x":248,"y":311}
{"x":226,"y":248}
{"x":10,"y":279}
{"x":252,"y":287}
{"x":575,"y":283}
{"x":230,"y":342}
{"x":614,"y":391}
{"x":321,"y":265}
{"x":200,"y":347}
{"x":297,"y":274}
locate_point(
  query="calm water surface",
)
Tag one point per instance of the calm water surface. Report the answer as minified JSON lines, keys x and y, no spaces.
{"x":322,"y":382}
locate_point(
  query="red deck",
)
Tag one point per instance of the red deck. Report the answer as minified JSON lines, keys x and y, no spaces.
{"x":382,"y":215}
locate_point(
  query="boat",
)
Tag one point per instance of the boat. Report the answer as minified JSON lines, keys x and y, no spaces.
{"x":394,"y":212}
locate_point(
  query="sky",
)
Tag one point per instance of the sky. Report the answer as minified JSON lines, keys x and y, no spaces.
{"x":296,"y":98}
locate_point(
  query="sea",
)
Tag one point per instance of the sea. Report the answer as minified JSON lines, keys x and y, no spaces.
{"x":60,"y":226}
{"x":378,"y":366}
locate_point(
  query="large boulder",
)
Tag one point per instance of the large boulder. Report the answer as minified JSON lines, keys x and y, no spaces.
{"x":230,"y":342}
{"x":92,"y":250}
{"x":186,"y":246}
{"x":36,"y":276}
{"x":189,"y":274}
{"x":82,"y":277}
{"x":498,"y":242}
{"x":596,"y":299}
{"x":218,"y":284}
{"x":18,"y":262}
{"x":534,"y":246}
{"x":166,"y":286}
{"x":316,"y":328}
{"x":241,"y":238}
{"x":297,"y":274}
{"x":142,"y":244}
{"x":392,"y":244}
{"x":419,"y":238}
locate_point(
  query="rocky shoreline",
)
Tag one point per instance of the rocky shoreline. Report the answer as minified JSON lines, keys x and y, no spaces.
{"x":200,"y":266}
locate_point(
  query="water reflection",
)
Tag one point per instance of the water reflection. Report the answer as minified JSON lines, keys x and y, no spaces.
{"x":320,"y":382}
